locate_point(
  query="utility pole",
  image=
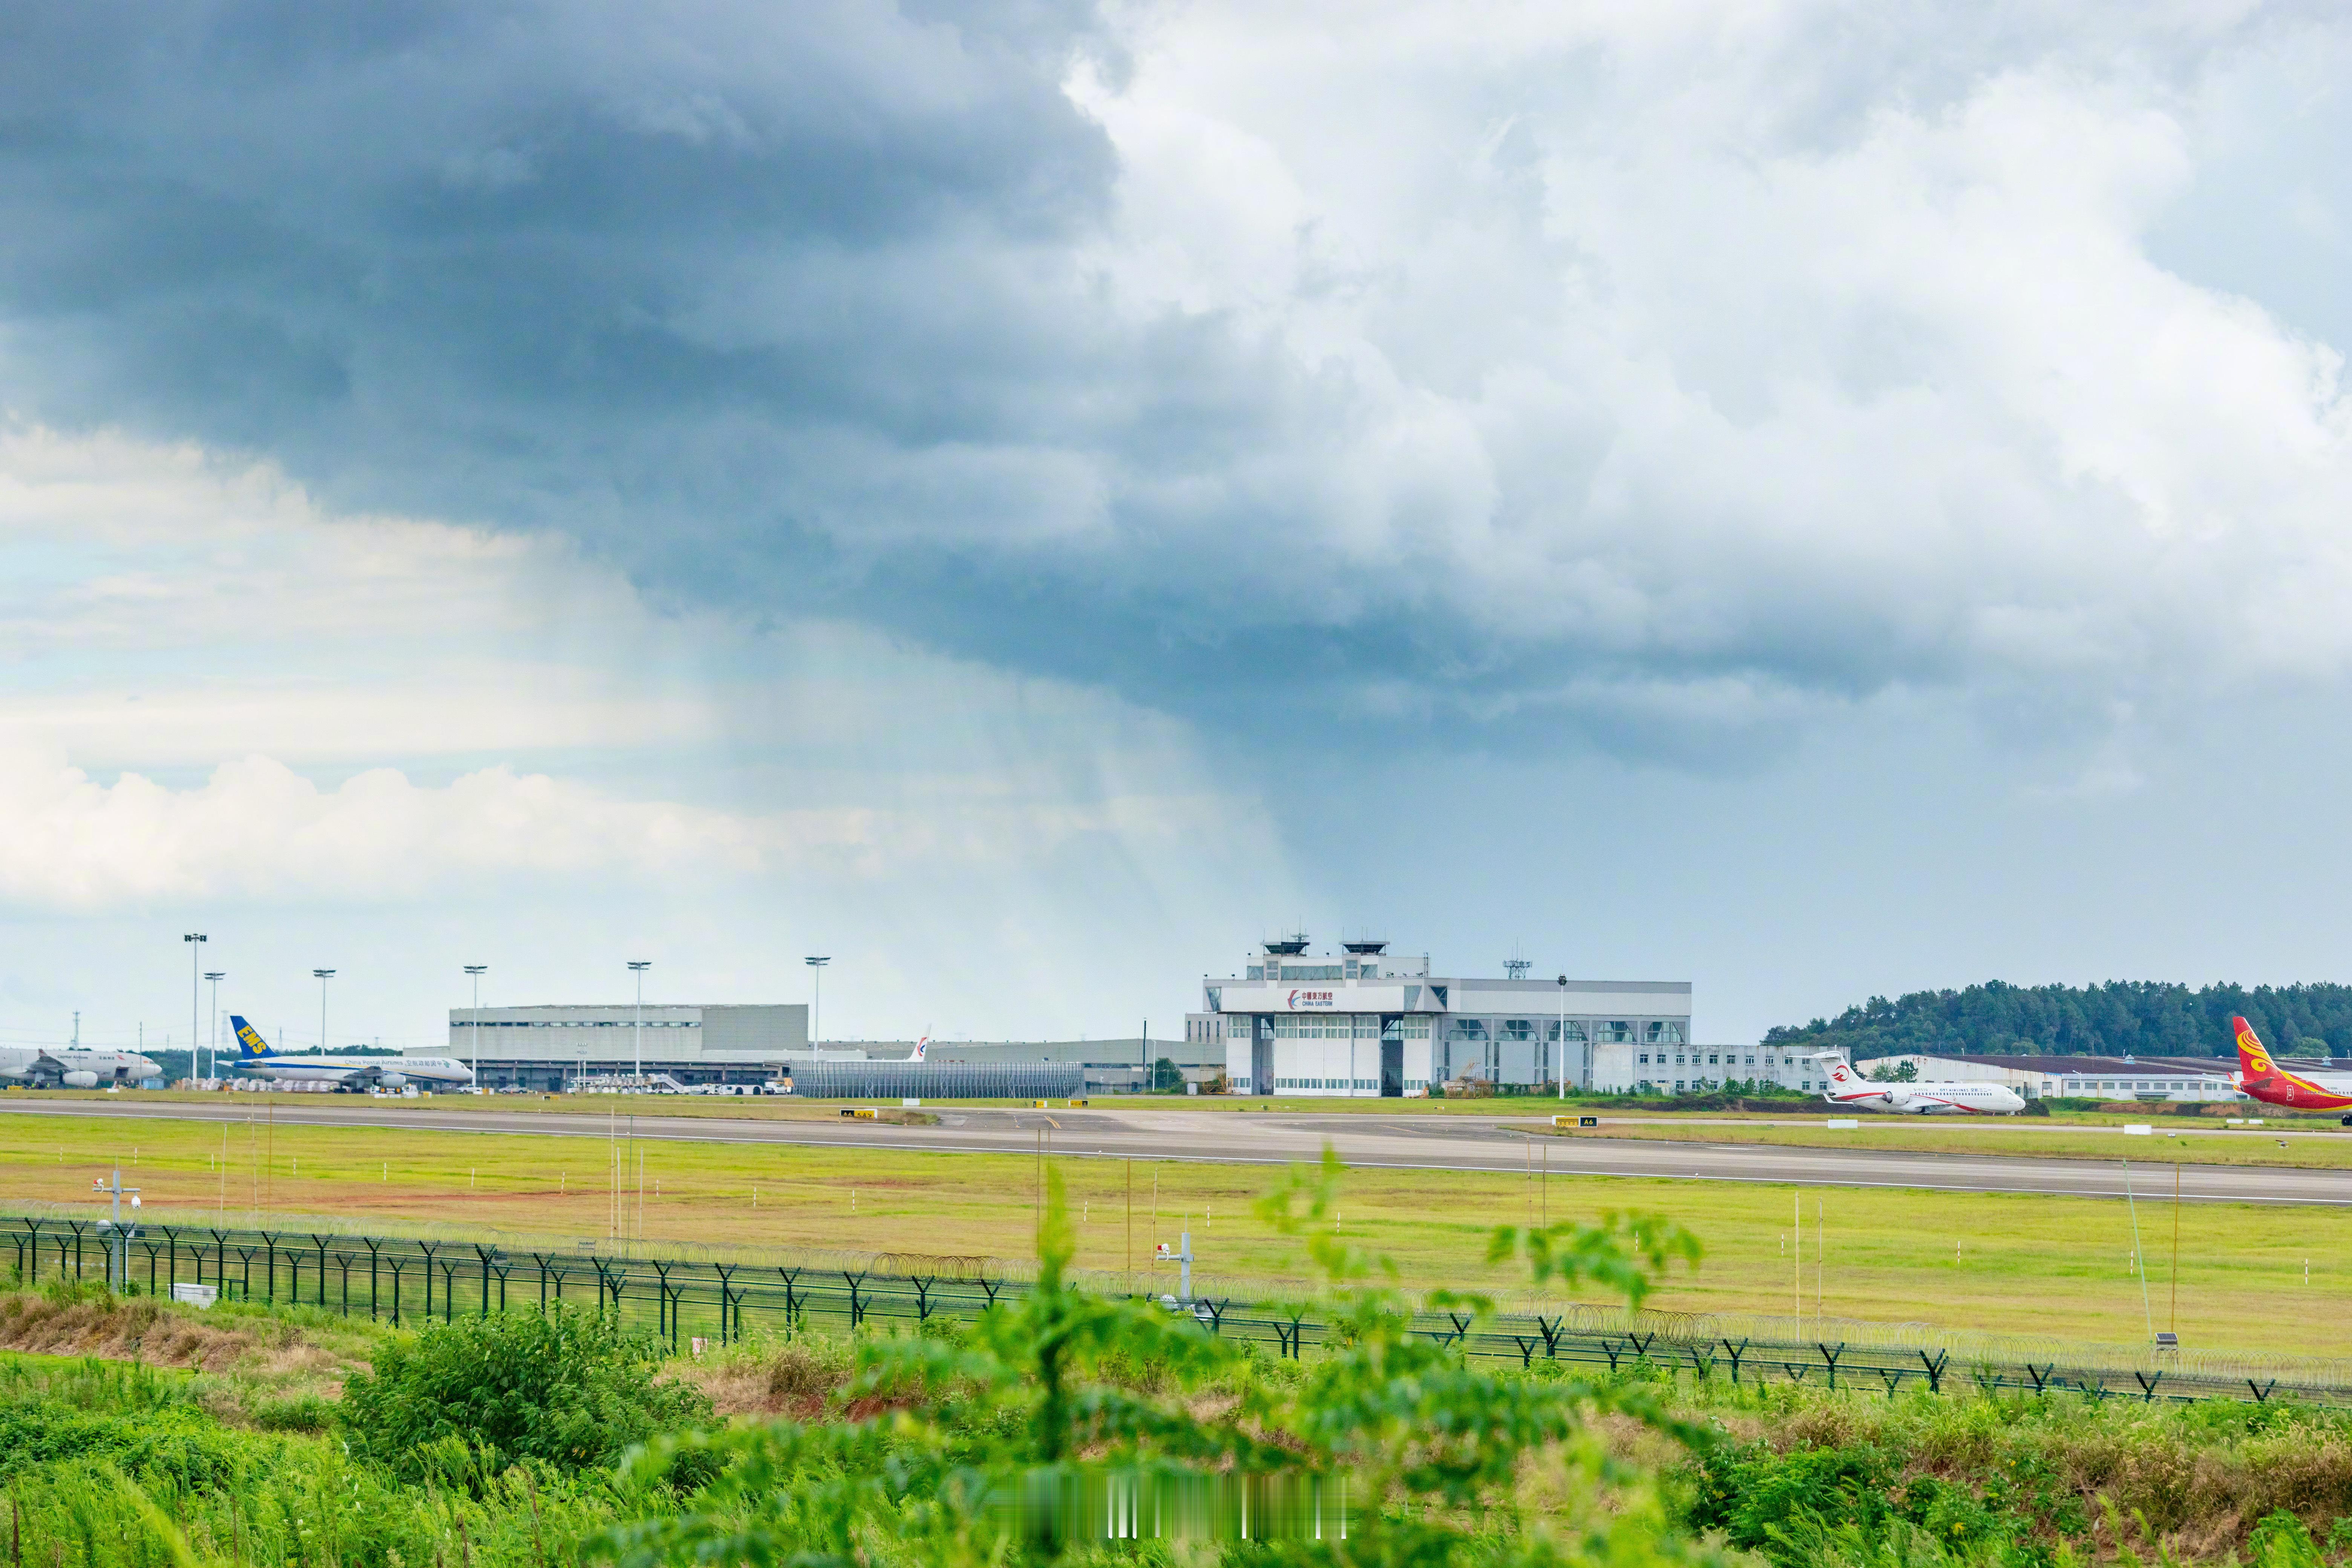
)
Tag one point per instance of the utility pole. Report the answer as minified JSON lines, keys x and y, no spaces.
{"x":476,"y":1064}
{"x":215,"y":977}
{"x":637,"y":966}
{"x":117,"y":1241}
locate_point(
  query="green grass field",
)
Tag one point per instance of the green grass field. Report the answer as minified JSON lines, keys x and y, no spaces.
{"x":2207,"y":1141}
{"x":2014,"y":1263}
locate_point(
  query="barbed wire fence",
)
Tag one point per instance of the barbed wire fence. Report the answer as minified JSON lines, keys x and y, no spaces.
{"x":681,"y":1298}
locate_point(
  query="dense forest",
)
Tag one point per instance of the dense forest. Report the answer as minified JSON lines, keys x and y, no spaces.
{"x":2143,"y":1017}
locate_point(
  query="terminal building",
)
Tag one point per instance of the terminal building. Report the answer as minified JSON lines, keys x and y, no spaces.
{"x":1363,"y":1023}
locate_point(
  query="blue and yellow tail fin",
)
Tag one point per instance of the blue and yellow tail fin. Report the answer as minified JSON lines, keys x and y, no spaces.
{"x":249,"y":1043}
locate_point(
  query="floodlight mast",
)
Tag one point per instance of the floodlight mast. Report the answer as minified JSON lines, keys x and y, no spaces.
{"x":637,"y":966}
{"x":476,"y":1064}
{"x":194,"y":940}
{"x":1563,"y":1037}
{"x":323,"y":976}
{"x":817,"y":1009}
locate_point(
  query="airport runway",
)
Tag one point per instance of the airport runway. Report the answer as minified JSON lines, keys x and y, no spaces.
{"x":1408,"y":1142}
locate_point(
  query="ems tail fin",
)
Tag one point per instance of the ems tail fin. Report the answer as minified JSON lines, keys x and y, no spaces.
{"x":2253,"y":1060}
{"x":249,"y":1043}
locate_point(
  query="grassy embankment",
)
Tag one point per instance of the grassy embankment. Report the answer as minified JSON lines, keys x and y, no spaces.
{"x":248,"y":1462}
{"x":2026,"y":1264}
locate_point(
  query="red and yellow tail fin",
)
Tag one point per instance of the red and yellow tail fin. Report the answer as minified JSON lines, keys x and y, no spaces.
{"x":2253,"y":1060}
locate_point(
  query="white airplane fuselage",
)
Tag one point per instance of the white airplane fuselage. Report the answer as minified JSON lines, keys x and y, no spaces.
{"x":74,"y":1070}
{"x":359,"y":1072}
{"x":1847,"y":1088}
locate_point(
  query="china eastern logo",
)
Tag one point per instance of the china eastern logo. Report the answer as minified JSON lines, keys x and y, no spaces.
{"x":1312,"y":999}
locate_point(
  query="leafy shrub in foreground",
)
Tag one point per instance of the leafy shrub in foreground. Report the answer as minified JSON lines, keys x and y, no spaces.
{"x":1028,"y":1438}
{"x":563,"y":1386}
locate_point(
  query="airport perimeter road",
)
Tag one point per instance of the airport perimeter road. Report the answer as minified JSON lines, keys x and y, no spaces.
{"x":1417,"y":1142}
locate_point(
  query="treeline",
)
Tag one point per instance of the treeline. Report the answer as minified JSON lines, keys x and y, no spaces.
{"x":2141,"y":1017}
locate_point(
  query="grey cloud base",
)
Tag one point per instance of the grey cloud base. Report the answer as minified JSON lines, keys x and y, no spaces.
{"x":1607,"y":386}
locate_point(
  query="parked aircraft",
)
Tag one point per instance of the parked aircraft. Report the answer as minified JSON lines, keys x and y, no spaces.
{"x":353,"y":1074}
{"x":62,"y":1068}
{"x":2261,"y":1077}
{"x":1846,"y":1087}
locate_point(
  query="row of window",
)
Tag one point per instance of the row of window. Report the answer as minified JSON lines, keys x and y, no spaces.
{"x":1701,"y":1085}
{"x":572,"y":1024}
{"x":1279,"y":973}
{"x":1616,"y":1031}
{"x":1357,"y":1083}
{"x":1724,"y":1058}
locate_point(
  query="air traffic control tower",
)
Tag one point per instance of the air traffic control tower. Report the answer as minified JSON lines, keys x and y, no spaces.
{"x":1362,"y":1022}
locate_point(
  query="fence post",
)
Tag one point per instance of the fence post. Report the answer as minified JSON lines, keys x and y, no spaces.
{"x":376,"y":1252}
{"x":857,"y":1306}
{"x":1935,"y":1370}
{"x":662,"y":1323}
{"x":270,"y":1244}
{"x":726,"y":1272}
{"x":323,"y":1241}
{"x":428,"y":1248}
{"x":1735,"y":1352}
{"x":485,"y":1254}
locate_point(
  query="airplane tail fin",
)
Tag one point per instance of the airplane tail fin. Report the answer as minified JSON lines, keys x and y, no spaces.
{"x":2253,"y":1061}
{"x":1841,"y":1070}
{"x":920,"y":1047}
{"x":249,"y":1043}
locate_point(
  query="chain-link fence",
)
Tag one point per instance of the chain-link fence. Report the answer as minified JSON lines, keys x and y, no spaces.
{"x":408,"y":1281}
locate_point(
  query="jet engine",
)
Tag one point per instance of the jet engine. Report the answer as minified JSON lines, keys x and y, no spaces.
{"x":1900,"y":1099}
{"x":82,"y":1079}
{"x":392,"y":1080}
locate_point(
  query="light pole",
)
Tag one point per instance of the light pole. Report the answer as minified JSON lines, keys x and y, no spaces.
{"x":817,"y":1009}
{"x":637,"y":966}
{"x":476,"y":1064}
{"x":215,"y":977}
{"x":324,"y":976}
{"x":192,"y":939}
{"x":118,"y":1240}
{"x":1563,"y":1037}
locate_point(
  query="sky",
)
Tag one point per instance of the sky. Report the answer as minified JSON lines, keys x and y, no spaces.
{"x":1027,"y":498}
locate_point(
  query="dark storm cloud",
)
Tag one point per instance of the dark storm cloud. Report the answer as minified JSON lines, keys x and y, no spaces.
{"x":705,"y":284}
{"x":1287,"y":368}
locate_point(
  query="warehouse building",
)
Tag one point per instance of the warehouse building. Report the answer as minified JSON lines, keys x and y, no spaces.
{"x":546,"y":1048}
{"x":829,"y":1078}
{"x":2168,"y":1079}
{"x":1362,"y":1022}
